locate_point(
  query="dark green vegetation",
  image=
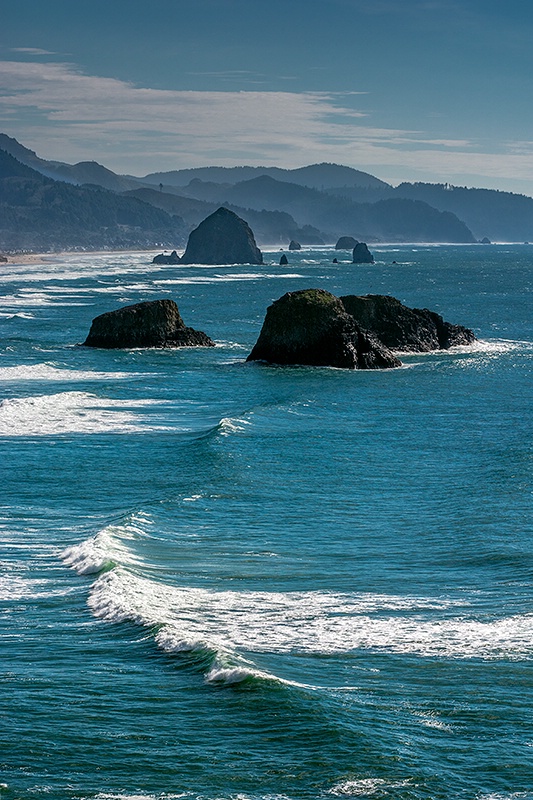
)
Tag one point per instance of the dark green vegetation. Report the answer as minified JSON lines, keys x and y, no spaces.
{"x":53,"y":205}
{"x":39,"y":213}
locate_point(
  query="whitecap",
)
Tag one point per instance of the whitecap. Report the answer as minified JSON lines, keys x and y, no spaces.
{"x":72,"y":412}
{"x":367,"y":787}
{"x":49,"y":372}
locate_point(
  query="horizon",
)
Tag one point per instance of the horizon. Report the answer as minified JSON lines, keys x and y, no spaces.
{"x":427,"y":91}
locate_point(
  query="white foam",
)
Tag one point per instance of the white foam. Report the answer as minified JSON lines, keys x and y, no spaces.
{"x":105,"y":549}
{"x":16,"y":587}
{"x":228,"y":426}
{"x":307,"y":622}
{"x":72,"y":412}
{"x":366,"y":787}
{"x":48,"y":372}
{"x":223,"y":278}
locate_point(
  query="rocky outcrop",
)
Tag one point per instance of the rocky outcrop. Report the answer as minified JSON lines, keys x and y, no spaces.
{"x":402,"y":328}
{"x":311,"y":327}
{"x":155,"y":323}
{"x":294,"y":245}
{"x":346,"y":243}
{"x":222,"y":238}
{"x":162,"y":258}
{"x":283,"y":261}
{"x":361,"y":254}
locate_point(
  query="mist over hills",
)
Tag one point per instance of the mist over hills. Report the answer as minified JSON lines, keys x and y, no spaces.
{"x":52,"y":205}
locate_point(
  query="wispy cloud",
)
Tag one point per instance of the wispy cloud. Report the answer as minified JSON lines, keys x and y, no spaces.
{"x":32,"y":51}
{"x":67,"y":115}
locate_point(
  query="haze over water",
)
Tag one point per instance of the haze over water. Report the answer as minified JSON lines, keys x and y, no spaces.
{"x":227,"y":580}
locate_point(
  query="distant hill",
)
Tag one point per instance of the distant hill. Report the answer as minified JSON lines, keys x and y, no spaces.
{"x":39,"y":213}
{"x":84,"y":172}
{"x":315,"y":176}
{"x":500,"y":216}
{"x":270,"y":227}
{"x":387,"y":220}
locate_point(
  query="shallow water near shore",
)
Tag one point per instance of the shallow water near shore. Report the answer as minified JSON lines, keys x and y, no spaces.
{"x":232,"y":581}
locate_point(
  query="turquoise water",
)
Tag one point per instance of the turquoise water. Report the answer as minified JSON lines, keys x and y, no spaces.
{"x":223,"y":580}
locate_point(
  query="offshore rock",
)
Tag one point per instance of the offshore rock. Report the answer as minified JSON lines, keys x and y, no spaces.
{"x":402,"y":328}
{"x":311,"y":327}
{"x":346,"y":243}
{"x":173,"y":258}
{"x":361,"y":254}
{"x":283,"y":261}
{"x":155,"y":323}
{"x":294,"y":245}
{"x":222,"y":238}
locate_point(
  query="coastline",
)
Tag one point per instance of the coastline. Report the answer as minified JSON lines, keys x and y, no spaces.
{"x":43,"y":258}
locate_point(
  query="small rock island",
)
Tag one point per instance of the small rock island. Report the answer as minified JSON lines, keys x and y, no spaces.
{"x":311,"y":327}
{"x":361,"y":254}
{"x":416,"y":330}
{"x":154,"y":323}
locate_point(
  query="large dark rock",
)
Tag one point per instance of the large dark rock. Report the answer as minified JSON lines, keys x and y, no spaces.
{"x":155,"y":323}
{"x":293,"y":245}
{"x":222,"y":238}
{"x":402,"y":328}
{"x":311,"y":327}
{"x":361,"y":254}
{"x":346,"y":243}
{"x":283,"y":260}
{"x":162,"y":258}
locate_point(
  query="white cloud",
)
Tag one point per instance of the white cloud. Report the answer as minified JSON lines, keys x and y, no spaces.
{"x":32,"y":51}
{"x":67,"y":115}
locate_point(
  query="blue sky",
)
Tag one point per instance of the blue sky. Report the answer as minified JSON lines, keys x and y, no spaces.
{"x":432,"y":90}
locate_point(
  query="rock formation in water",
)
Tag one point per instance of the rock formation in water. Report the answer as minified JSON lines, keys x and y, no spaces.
{"x":283,"y":261}
{"x":402,"y":328}
{"x":162,"y":258}
{"x":293,"y":245}
{"x":346,"y":243}
{"x":155,"y":323}
{"x":361,"y":254}
{"x":222,"y":238}
{"x":311,"y":327}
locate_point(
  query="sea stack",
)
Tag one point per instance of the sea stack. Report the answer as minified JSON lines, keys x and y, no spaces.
{"x":222,"y":238}
{"x":361,"y":254}
{"x":346,"y":243}
{"x":402,"y":328}
{"x":293,"y":245}
{"x":162,"y":258}
{"x":311,"y":327}
{"x":155,"y":323}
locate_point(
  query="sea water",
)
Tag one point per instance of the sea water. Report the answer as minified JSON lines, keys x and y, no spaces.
{"x":224,"y":580}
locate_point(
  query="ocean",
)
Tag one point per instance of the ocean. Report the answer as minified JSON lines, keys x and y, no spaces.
{"x":224,"y":580}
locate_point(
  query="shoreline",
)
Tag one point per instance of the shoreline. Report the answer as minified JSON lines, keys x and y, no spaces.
{"x":43,"y":258}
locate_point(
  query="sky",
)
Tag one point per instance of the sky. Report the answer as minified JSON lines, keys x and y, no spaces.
{"x":408,"y":90}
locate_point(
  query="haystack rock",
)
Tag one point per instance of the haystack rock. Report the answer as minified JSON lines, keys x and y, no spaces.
{"x":222,"y":238}
{"x":346,"y":243}
{"x":311,"y":327}
{"x":361,"y":254}
{"x":162,"y":258}
{"x":283,"y":261}
{"x":294,"y":245}
{"x":402,"y":328}
{"x":155,"y":323}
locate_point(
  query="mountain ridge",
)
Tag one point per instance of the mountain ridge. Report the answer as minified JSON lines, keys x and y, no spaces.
{"x":314,"y":203}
